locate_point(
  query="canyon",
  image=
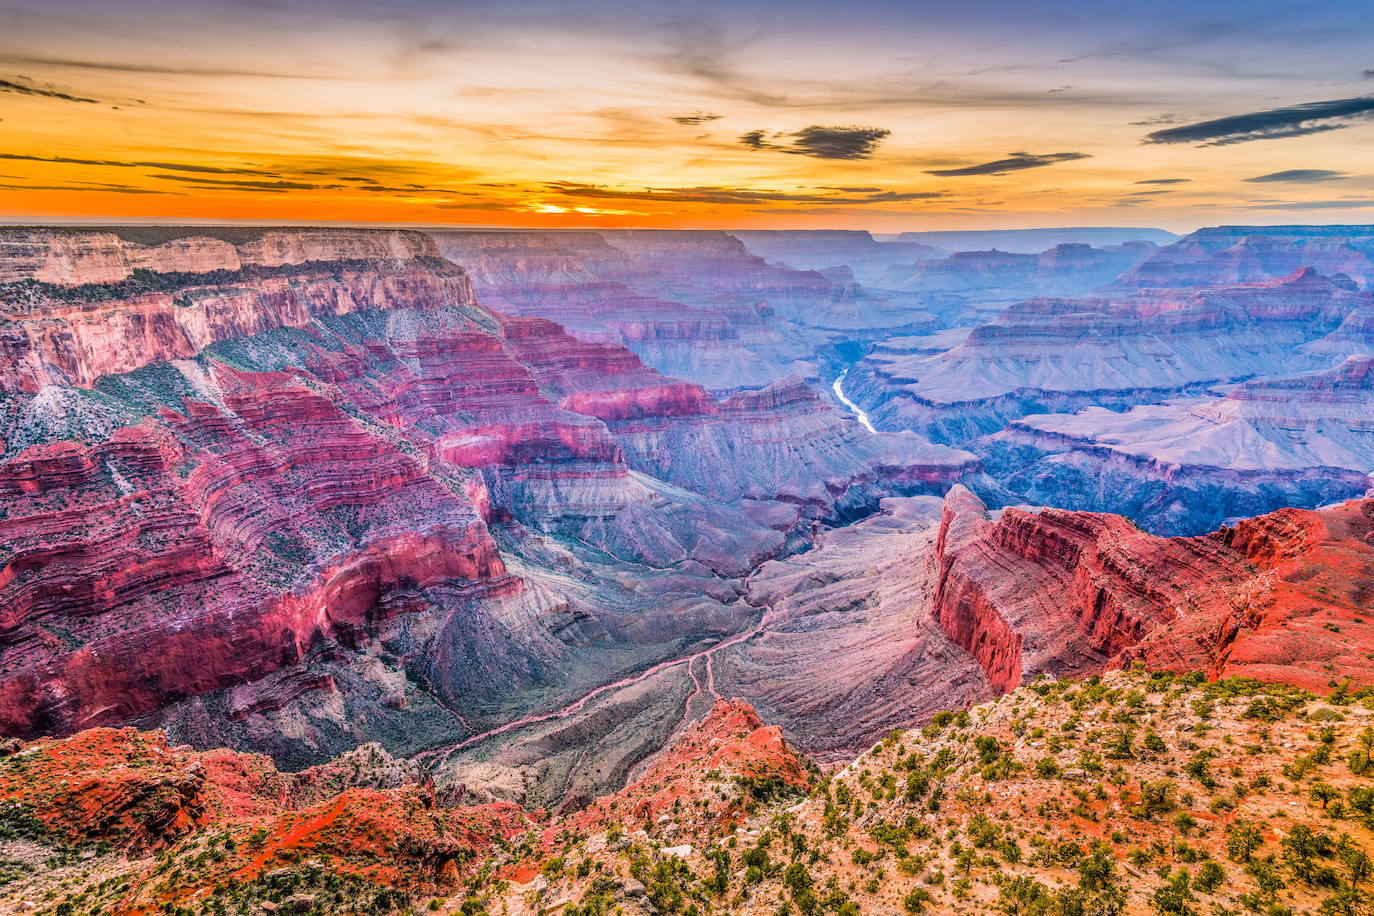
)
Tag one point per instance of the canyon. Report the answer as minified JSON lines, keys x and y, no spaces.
{"x":474,"y":536}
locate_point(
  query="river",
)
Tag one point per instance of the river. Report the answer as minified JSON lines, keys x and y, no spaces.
{"x":858,"y":411}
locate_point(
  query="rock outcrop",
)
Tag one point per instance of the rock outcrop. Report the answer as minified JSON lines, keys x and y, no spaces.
{"x":1055,"y":592}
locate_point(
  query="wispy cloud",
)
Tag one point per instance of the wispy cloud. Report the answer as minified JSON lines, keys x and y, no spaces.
{"x":251,"y":185}
{"x":1270,"y":124}
{"x":726,"y":195}
{"x":26,"y":89}
{"x":821,"y":142}
{"x":1163,"y":181}
{"x":1013,"y":163}
{"x":136,"y":164}
{"x":1344,"y":203}
{"x":131,"y":67}
{"x":700,"y":117}
{"x":1298,"y":176}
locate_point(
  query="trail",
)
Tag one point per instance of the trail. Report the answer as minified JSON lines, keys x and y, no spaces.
{"x":696,"y":691}
{"x":838,"y":388}
{"x":577,"y":705}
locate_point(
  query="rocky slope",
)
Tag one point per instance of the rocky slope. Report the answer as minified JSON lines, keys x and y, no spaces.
{"x":1134,"y":793}
{"x":1279,"y":597}
{"x":1190,"y":464}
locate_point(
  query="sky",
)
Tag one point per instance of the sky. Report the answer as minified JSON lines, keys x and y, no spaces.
{"x":866,"y":114}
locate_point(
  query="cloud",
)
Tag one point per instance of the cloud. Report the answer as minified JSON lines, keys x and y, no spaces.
{"x":103,"y":189}
{"x":1163,"y":181}
{"x":120,"y":164}
{"x":65,"y":160}
{"x":207,"y":169}
{"x":1369,"y":74}
{"x":1156,"y":120}
{"x":116,"y":67}
{"x":1345,"y":203}
{"x":1299,"y":175}
{"x":723,"y":195}
{"x":821,"y":142}
{"x":1013,"y":163}
{"x":23,"y":89}
{"x":700,"y":117}
{"x":1270,"y":124}
{"x":251,"y":185}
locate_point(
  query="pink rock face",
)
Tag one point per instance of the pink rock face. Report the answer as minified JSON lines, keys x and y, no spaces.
{"x":57,"y":338}
{"x":72,"y":257}
{"x":1276,"y":597}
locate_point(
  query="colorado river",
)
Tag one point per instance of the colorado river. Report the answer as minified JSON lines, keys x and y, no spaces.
{"x":858,"y":411}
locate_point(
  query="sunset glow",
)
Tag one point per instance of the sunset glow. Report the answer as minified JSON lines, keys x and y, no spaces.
{"x":737,"y":115}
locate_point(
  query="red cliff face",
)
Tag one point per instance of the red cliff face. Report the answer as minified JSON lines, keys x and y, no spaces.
{"x":1058,"y":592}
{"x":93,"y":321}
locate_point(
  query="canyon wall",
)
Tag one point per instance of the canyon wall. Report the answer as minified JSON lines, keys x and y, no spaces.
{"x":1060,"y":593}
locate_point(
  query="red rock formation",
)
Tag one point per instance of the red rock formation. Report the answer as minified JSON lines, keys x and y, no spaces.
{"x":131,"y":790}
{"x":729,"y":746}
{"x":1052,"y":591}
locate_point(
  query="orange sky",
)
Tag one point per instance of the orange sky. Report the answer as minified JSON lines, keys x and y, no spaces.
{"x":760,"y":114}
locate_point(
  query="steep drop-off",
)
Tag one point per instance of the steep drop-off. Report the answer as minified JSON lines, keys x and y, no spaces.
{"x":1279,"y":597}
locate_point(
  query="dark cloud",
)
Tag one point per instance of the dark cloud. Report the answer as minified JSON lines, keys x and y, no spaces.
{"x":1270,"y":124}
{"x":1299,"y":175}
{"x":1013,"y":163}
{"x":700,"y":117}
{"x":721,"y":195}
{"x":65,"y":160}
{"x":821,"y":142}
{"x":1163,"y":181}
{"x":206,"y":169}
{"x":106,"y":189}
{"x":251,"y":185}
{"x":23,"y":89}
{"x":120,"y":164}
{"x":1369,"y":74}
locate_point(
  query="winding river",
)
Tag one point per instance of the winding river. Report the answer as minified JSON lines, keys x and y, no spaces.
{"x":858,"y":411}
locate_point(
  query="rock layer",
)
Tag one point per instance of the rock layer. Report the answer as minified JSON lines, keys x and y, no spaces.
{"x":1055,"y":592}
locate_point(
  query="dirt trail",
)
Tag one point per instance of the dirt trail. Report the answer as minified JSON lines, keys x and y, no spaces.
{"x":577,"y":705}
